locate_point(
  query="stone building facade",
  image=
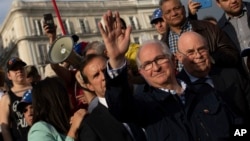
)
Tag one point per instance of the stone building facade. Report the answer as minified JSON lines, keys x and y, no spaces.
{"x":21,"y":33}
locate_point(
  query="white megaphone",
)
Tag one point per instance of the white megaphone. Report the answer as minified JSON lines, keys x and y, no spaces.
{"x":62,"y":51}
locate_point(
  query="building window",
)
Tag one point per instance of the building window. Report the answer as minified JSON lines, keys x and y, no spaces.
{"x":134,"y":22}
{"x":84,"y":25}
{"x":97,"y":20}
{"x":13,"y":34}
{"x":156,"y":37}
{"x":67,"y":27}
{"x":41,"y":54}
{"x":137,"y":40}
{"x":38,"y":27}
{"x":150,"y":17}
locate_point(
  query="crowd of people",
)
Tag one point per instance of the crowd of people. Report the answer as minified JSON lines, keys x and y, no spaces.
{"x":193,"y":84}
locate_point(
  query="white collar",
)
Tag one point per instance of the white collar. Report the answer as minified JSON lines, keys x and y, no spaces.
{"x":103,"y":101}
{"x":173,"y":92}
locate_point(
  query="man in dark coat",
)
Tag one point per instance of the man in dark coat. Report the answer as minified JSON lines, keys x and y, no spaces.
{"x":227,"y":83}
{"x":165,"y":107}
{"x":100,"y":124}
{"x":236,"y":23}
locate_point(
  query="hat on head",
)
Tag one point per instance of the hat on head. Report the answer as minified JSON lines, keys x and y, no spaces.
{"x":13,"y":62}
{"x":26,"y":100}
{"x":157,"y":14}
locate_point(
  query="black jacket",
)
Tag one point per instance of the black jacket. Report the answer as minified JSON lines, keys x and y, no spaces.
{"x":231,"y":87}
{"x":100,"y":125}
{"x":163,"y":115}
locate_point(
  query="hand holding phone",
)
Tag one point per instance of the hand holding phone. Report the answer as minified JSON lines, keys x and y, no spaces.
{"x":48,"y":20}
{"x":204,"y":3}
{"x":49,"y":25}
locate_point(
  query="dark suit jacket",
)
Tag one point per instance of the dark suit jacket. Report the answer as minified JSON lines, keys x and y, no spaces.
{"x":100,"y":125}
{"x":164,"y":116}
{"x":231,"y":86}
{"x":159,"y":112}
{"x":228,"y":28}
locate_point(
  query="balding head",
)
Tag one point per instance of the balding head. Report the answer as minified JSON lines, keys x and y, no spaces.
{"x":193,"y":54}
{"x":190,"y":37}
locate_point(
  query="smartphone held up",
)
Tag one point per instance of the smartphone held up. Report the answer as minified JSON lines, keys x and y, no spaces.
{"x":204,"y":3}
{"x":48,"y":19}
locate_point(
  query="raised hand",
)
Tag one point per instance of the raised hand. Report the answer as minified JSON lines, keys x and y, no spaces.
{"x":193,"y":7}
{"x":116,"y":42}
{"x":50,"y":32}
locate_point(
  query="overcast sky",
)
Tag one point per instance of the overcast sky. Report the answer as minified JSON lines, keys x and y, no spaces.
{"x":214,"y":11}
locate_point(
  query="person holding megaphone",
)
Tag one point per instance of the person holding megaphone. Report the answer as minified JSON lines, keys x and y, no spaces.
{"x":62,"y":66}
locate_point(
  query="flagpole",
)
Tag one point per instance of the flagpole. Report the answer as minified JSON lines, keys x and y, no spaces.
{"x":58,"y":17}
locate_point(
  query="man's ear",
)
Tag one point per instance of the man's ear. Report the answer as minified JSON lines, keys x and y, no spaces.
{"x":140,"y":71}
{"x":105,"y":52}
{"x":90,"y":87}
{"x":218,"y":3}
{"x":164,"y":19}
{"x":8,"y":76}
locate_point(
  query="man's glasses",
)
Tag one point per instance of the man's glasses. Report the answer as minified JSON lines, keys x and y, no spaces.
{"x":192,"y":53}
{"x":159,"y":60}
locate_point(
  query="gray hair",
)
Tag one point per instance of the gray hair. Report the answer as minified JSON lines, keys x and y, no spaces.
{"x":98,"y":46}
{"x":162,"y":45}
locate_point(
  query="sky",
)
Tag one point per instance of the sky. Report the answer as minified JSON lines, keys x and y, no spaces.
{"x":4,"y":6}
{"x":214,"y":11}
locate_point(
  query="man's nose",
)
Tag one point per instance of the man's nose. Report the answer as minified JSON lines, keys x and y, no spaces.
{"x":155,"y":66}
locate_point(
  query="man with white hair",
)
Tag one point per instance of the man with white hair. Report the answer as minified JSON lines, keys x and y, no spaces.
{"x":166,"y":107}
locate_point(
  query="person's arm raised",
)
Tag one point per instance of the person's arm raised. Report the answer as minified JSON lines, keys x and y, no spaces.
{"x":50,"y":32}
{"x":116,"y":42}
